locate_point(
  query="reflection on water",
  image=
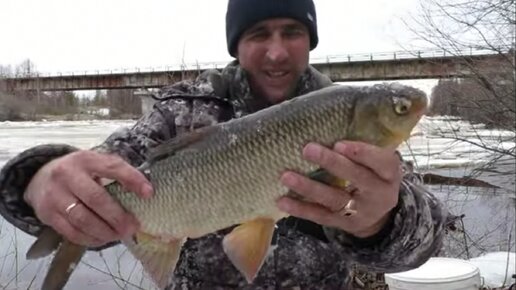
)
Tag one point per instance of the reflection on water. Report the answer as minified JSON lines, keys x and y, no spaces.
{"x":489,"y":214}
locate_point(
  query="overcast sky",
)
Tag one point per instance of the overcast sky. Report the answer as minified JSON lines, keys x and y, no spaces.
{"x":78,"y":35}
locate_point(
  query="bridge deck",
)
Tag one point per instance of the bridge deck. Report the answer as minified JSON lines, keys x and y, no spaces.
{"x":341,"y":71}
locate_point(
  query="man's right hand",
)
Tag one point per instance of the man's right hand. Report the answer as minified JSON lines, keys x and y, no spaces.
{"x":97,"y":219}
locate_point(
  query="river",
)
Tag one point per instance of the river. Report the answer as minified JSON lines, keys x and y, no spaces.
{"x":489,"y":214}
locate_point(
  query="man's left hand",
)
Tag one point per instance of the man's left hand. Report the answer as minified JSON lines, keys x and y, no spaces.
{"x":374,"y":173}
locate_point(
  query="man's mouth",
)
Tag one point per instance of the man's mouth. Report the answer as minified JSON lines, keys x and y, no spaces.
{"x":276,"y":74}
{"x":277,"y":78}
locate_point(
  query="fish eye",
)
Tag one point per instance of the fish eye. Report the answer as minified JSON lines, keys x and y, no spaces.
{"x":401,"y":105}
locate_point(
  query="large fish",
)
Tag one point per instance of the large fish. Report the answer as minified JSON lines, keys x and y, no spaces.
{"x":228,"y":174}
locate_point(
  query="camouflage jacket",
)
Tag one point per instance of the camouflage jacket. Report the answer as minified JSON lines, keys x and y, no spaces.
{"x":306,"y":255}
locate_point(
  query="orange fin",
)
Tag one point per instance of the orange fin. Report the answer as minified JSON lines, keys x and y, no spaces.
{"x":157,"y":256}
{"x":325,"y":177}
{"x":248,"y":244}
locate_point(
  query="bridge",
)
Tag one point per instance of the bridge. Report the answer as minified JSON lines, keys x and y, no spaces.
{"x":361,"y":67}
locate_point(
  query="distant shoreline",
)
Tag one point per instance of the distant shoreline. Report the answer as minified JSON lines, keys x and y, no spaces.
{"x":69,"y":117}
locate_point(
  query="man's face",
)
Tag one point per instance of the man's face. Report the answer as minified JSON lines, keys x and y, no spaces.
{"x":274,"y":53}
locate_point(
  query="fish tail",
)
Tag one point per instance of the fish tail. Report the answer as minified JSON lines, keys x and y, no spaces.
{"x":63,"y":264}
{"x":47,"y":242}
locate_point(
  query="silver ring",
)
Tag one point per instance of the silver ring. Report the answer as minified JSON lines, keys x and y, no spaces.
{"x":70,"y":207}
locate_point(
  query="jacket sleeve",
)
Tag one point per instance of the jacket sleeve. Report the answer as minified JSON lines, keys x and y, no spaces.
{"x":181,"y":108}
{"x":413,"y":234}
{"x":14,"y":178}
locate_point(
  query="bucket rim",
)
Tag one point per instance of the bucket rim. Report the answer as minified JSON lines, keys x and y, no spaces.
{"x":419,"y":280}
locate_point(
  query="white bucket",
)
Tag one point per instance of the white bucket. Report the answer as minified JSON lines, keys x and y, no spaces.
{"x":437,"y":274}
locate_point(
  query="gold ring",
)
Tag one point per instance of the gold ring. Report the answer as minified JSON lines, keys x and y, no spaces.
{"x":70,"y":207}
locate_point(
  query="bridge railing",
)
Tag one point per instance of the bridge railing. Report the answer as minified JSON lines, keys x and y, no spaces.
{"x":357,"y":57}
{"x":397,"y":55}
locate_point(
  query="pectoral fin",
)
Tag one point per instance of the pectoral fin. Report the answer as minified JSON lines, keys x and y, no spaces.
{"x":157,"y":256}
{"x":248,"y":244}
{"x":325,"y":177}
{"x":47,"y":242}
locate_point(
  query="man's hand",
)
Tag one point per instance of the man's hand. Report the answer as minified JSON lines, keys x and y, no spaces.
{"x":375,"y":174}
{"x":74,"y":178}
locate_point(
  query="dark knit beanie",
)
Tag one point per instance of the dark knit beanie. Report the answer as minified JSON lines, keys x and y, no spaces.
{"x":242,"y":14}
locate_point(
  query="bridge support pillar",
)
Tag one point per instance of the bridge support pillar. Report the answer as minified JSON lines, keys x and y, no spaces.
{"x":147,"y":100}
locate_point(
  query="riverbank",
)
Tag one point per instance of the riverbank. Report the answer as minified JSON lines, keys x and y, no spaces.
{"x":67,"y":117}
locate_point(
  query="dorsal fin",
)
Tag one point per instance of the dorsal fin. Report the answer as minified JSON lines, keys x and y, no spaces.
{"x":172,"y":146}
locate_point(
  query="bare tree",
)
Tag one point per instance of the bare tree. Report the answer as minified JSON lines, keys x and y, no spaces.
{"x":26,"y":68}
{"x":6,"y":71}
{"x":100,"y":98}
{"x":17,"y":107}
{"x":485,"y":94}
{"x":123,"y":103}
{"x":457,"y":25}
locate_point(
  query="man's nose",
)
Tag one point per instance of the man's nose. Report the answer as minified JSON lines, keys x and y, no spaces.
{"x":277,"y":51}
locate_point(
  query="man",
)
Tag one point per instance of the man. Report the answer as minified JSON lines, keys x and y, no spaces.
{"x":396,"y":226}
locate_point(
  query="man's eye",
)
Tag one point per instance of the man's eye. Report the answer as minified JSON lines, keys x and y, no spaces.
{"x":294,"y":32}
{"x":258,"y":35}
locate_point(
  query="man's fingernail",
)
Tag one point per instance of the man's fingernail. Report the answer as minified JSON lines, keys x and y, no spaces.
{"x":135,"y":223}
{"x":288,"y":179}
{"x":131,"y":228}
{"x":147,"y":190}
{"x":312,"y":151}
{"x":340,"y":147}
{"x":283,"y":204}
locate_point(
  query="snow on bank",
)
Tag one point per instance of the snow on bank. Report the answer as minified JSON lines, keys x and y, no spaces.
{"x":496,"y":268}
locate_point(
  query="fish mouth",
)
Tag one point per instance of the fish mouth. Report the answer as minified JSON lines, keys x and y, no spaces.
{"x":423,"y":110}
{"x":419,"y":113}
{"x":421,"y":107}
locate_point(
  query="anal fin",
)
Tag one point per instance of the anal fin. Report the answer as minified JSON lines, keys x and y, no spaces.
{"x":157,"y":256}
{"x":248,"y":244}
